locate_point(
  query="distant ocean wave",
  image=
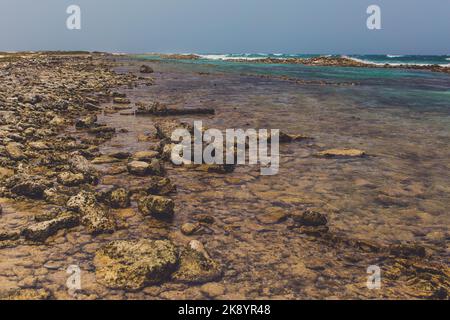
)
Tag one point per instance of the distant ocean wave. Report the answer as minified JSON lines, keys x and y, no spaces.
{"x":379,"y":60}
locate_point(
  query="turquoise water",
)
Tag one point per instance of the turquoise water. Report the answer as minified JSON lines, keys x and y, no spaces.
{"x":418,"y":89}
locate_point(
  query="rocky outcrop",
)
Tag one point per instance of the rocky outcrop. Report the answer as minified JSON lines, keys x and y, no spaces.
{"x":42,"y":230}
{"x":95,"y":217}
{"x":157,"y":206}
{"x":135,"y":264}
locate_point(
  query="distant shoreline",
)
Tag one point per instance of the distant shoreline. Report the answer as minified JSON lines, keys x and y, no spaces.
{"x":322,"y":61}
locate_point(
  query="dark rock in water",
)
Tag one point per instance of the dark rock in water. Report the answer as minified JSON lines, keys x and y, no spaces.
{"x":286,"y":138}
{"x":101,"y":130}
{"x":92,"y":215}
{"x":157,"y":206}
{"x":407,"y":250}
{"x":310,"y":218}
{"x":42,"y":230}
{"x":145,"y":69}
{"x":9,"y":235}
{"x":160,"y":186}
{"x":115,"y":197}
{"x":196,"y":267}
{"x":204,"y":218}
{"x":28,"y":186}
{"x":120,"y":155}
{"x":189,"y":228}
{"x":216,"y":168}
{"x":134,"y":264}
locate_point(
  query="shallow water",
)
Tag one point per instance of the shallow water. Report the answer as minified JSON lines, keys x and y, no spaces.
{"x":399,"y":193}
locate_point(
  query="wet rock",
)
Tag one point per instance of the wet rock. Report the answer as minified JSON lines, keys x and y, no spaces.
{"x":101,"y":130}
{"x":42,"y":230}
{"x":145,"y":69}
{"x":55,"y":196}
{"x":47,"y":215}
{"x":157,"y":206}
{"x":92,"y":215}
{"x":145,"y":155}
{"x":121,"y":100}
{"x":104,"y":160}
{"x":86,"y":122}
{"x":212,"y":290}
{"x":342,"y":153}
{"x":407,"y":250}
{"x":196,"y":267}
{"x":27,"y":294}
{"x":122,"y":155}
{"x":28,"y":186}
{"x":116,"y":197}
{"x":15,"y":151}
{"x":8,"y":235}
{"x":310,"y":218}
{"x":133,"y":265}
{"x":160,"y":186}
{"x":272,"y":216}
{"x":216,"y":168}
{"x":70,"y":179}
{"x":287,"y":138}
{"x":204,"y":218}
{"x":189,"y":228}
{"x":141,"y":168}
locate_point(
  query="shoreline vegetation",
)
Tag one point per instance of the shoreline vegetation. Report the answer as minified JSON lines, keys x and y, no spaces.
{"x":67,"y":196}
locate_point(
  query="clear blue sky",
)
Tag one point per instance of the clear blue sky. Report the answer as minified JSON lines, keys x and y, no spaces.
{"x":227,"y":26}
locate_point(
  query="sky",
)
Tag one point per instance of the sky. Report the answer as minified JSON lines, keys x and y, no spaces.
{"x":228,"y":26}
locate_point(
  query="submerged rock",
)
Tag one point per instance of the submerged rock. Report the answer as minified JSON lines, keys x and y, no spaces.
{"x":157,"y":206}
{"x":134,"y":264}
{"x":28,"y":186}
{"x":160,"y":186}
{"x":42,"y":230}
{"x":141,"y":168}
{"x":310,"y":218}
{"x":96,"y":218}
{"x":189,"y":228}
{"x":272,"y":216}
{"x":116,"y":197}
{"x":342,"y":153}
{"x":145,"y":155}
{"x":145,"y":69}
{"x":196,"y":267}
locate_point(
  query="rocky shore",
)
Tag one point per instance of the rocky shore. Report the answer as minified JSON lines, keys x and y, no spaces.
{"x":117,"y":213}
{"x":319,"y":61}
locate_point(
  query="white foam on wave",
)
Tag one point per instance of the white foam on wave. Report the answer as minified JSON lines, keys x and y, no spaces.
{"x":226,"y":57}
{"x":394,"y":56}
{"x":394,"y":64}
